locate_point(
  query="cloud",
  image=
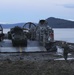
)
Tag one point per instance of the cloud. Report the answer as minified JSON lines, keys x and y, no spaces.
{"x":68,"y":5}
{"x":33,"y":10}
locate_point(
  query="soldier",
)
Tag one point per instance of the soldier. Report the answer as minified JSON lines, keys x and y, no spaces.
{"x":42,"y":25}
{"x":66,"y":50}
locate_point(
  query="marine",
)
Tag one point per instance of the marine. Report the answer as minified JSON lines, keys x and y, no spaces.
{"x":66,"y":50}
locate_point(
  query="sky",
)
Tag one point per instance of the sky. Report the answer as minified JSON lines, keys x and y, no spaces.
{"x":16,"y":11}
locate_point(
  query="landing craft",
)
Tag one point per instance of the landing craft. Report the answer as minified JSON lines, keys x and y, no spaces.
{"x":41,"y":33}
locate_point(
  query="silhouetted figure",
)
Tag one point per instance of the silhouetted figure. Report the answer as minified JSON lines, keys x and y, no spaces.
{"x":66,"y":50}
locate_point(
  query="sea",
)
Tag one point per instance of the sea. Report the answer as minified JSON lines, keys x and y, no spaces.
{"x":63,"y":34}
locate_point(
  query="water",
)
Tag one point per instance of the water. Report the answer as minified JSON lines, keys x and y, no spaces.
{"x":65,"y":34}
{"x":6,"y":30}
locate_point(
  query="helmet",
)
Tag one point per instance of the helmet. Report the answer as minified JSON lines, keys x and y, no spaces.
{"x":42,"y":21}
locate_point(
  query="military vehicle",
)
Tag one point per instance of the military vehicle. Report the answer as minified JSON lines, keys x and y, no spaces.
{"x":17,"y":36}
{"x":1,"y":33}
{"x":30,"y":30}
{"x":42,"y":33}
{"x":45,"y":34}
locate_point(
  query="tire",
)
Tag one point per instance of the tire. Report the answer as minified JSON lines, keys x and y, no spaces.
{"x":13,"y":43}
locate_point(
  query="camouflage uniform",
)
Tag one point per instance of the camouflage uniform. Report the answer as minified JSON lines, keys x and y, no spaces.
{"x":66,"y":50}
{"x":42,"y":29}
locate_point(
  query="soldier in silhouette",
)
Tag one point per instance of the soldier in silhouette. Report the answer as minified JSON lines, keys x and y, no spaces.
{"x":66,"y":50}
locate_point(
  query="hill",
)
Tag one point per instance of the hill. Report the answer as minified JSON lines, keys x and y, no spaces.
{"x":12,"y":25}
{"x":53,"y":22}
{"x":60,"y":23}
